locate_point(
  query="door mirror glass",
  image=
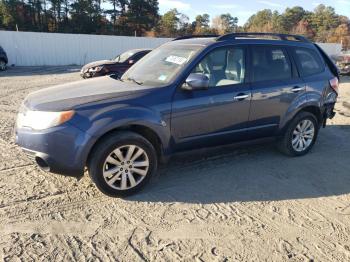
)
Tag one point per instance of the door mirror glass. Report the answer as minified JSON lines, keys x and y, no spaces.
{"x":196,"y":81}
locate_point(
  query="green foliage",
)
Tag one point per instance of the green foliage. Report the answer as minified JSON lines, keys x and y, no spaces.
{"x":291,"y":17}
{"x":6,"y":18}
{"x":320,"y":25}
{"x":169,"y":23}
{"x":141,"y":17}
{"x":225,"y":23}
{"x":324,"y":20}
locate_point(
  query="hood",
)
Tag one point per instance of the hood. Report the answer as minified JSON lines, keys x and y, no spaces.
{"x":99,"y":63}
{"x":70,"y":95}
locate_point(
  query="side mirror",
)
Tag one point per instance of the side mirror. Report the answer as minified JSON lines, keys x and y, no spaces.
{"x":196,"y":81}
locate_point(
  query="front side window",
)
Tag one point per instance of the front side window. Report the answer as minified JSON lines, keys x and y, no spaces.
{"x":139,"y":56}
{"x":223,"y":66}
{"x":161,"y":66}
{"x":309,"y":62}
{"x":270,"y":63}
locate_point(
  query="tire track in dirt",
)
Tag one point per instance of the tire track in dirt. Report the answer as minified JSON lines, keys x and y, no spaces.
{"x":250,"y":204}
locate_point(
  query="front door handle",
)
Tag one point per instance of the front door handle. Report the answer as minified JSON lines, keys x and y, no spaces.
{"x":240,"y":97}
{"x":296,"y":89}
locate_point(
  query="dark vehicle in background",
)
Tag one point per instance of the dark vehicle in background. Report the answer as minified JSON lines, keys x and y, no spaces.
{"x":343,"y":64}
{"x":116,"y":66}
{"x":3,"y":59}
{"x":190,"y":93}
{"x":344,"y":68}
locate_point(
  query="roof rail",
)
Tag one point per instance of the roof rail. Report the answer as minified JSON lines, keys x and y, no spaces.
{"x":194,"y":36}
{"x":284,"y":37}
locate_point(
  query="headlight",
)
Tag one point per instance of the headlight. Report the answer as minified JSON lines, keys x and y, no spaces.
{"x":39,"y":120}
{"x":95,"y":69}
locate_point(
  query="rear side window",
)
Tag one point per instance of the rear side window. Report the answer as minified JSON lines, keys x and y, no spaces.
{"x":270,"y":63}
{"x":309,"y":62}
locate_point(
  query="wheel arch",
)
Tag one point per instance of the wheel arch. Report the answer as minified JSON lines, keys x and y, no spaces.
{"x":312,"y":108}
{"x":315,"y":111}
{"x":142,"y":130}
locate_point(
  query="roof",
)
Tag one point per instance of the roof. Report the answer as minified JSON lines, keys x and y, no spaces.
{"x":258,"y":38}
{"x":196,"y":41}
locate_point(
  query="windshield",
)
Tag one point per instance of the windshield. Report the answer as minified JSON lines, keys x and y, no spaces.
{"x":161,"y":66}
{"x":124,"y":56}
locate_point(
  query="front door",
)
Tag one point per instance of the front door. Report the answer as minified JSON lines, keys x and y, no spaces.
{"x":219,"y":114}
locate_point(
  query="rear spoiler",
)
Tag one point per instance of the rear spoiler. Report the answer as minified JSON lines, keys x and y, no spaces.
{"x":334,"y":69}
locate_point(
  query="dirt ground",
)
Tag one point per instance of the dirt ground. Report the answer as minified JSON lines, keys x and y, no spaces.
{"x":248,"y":204}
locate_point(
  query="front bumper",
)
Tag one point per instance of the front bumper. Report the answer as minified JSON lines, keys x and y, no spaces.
{"x":86,"y":74}
{"x":61,"y":150}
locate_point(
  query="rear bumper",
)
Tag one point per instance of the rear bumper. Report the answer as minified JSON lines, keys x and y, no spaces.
{"x":61,"y":150}
{"x":328,"y":113}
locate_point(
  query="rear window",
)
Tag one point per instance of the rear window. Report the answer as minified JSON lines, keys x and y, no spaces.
{"x":310,"y":63}
{"x":270,"y":63}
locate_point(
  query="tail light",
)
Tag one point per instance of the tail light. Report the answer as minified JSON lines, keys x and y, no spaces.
{"x":334,"y":82}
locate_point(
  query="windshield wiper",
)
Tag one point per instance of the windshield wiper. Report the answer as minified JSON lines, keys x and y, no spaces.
{"x":134,"y":80}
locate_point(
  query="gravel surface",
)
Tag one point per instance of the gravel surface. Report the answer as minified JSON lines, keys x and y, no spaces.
{"x":247,"y":204}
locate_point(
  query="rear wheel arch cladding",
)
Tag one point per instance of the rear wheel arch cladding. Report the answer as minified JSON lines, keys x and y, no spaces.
{"x":294,"y":108}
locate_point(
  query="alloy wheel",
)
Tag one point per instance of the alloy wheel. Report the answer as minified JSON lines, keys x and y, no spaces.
{"x":303,"y":135}
{"x":125,"y":167}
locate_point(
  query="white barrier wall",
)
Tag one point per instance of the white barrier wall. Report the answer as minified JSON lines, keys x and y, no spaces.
{"x":37,"y":49}
{"x":331,"y":49}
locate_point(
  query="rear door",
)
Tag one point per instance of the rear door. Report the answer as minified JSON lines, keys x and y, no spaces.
{"x":275,"y":84}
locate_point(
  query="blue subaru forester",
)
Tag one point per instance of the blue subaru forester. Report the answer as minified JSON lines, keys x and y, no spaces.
{"x":193,"y":92}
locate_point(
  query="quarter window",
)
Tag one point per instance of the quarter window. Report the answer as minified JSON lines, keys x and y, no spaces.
{"x":309,"y":62}
{"x":223,"y":66}
{"x":270,"y":63}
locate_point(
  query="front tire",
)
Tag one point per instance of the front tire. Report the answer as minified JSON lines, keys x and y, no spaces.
{"x":2,"y":65}
{"x":300,"y":135}
{"x":122,"y":164}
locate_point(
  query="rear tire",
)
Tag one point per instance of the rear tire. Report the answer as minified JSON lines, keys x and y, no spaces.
{"x":2,"y":65}
{"x":300,"y":135}
{"x":122,"y":164}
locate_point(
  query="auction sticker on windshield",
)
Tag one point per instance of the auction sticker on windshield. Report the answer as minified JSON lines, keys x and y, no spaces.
{"x":176,"y":59}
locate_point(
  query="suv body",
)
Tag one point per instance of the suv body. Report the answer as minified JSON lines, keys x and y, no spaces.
{"x":3,"y":59}
{"x":187,"y":94}
{"x":116,"y":66}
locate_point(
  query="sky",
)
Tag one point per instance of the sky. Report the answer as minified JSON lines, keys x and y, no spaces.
{"x":244,"y":9}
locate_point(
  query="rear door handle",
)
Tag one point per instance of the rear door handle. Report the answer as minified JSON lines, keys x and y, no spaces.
{"x":240,"y":97}
{"x":296,"y":89}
